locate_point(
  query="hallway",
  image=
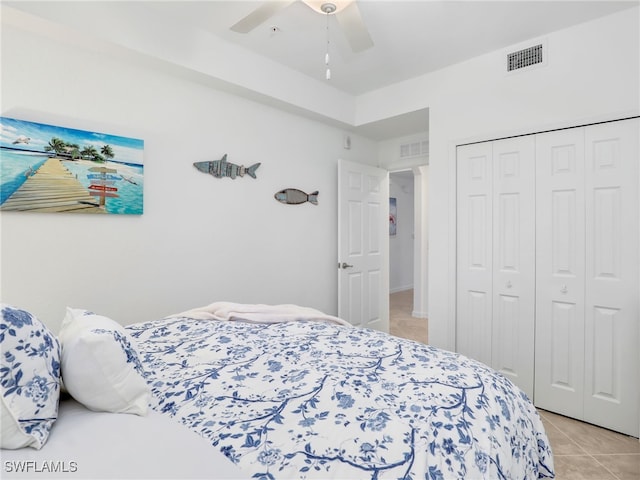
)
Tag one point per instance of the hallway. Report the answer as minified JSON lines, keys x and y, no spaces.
{"x":401,"y":323}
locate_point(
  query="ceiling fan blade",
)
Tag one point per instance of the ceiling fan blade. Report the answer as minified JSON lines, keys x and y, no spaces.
{"x":354,"y":28}
{"x":261,"y":14}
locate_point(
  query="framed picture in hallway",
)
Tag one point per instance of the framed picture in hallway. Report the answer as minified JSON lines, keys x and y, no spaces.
{"x":47,"y":168}
{"x":393,"y":215}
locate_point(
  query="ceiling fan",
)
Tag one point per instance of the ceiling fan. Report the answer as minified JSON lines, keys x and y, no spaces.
{"x":347,"y":13}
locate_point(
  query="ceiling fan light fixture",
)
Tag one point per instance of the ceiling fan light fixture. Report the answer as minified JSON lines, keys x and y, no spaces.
{"x":328,"y":8}
{"x":324,"y":7}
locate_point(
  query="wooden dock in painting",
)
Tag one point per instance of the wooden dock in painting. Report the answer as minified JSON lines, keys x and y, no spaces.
{"x":52,"y":188}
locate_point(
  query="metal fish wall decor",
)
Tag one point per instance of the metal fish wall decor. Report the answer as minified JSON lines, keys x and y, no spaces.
{"x":293,"y":196}
{"x":222,"y":168}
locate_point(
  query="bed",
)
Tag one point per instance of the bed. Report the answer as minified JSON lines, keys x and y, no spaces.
{"x":285,"y":392}
{"x":85,"y":444}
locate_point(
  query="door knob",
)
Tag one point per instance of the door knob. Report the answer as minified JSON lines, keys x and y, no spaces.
{"x":344,"y":265}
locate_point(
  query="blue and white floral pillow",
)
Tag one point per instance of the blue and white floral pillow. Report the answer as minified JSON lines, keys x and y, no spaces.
{"x":29,"y":377}
{"x":100,"y":367}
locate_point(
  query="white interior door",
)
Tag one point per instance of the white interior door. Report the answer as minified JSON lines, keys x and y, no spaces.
{"x":474,"y":251}
{"x":587,"y":267}
{"x":612,"y":362}
{"x":495,"y":256}
{"x":513,"y":321}
{"x":363,"y":245}
{"x":560,"y":259}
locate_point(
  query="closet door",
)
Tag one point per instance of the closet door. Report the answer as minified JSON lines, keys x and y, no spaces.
{"x":474,"y":251}
{"x":495,"y":259}
{"x":560,"y":258}
{"x":513,"y":320}
{"x":612,"y":313}
{"x":587,"y":274}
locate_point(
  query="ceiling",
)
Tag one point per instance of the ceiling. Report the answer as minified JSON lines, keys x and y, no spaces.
{"x":410,"y":38}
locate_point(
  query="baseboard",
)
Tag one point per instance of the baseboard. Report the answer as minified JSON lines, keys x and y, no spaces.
{"x":400,"y":289}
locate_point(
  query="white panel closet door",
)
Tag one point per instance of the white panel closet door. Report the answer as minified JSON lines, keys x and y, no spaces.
{"x":560,"y":256}
{"x":612,"y":362}
{"x":496,"y":234}
{"x":474,"y":251}
{"x":587,"y":361}
{"x":513,"y":328}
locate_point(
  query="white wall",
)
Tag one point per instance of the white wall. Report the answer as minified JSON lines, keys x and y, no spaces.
{"x":592,"y":72}
{"x":196,"y":242}
{"x":401,"y":244}
{"x":201,"y":239}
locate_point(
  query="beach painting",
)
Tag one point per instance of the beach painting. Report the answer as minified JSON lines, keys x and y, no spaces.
{"x":47,"y":168}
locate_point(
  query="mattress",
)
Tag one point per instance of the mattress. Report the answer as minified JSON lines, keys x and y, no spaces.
{"x":95,"y":445}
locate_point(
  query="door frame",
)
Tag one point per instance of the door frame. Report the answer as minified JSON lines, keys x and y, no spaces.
{"x":421,"y":239}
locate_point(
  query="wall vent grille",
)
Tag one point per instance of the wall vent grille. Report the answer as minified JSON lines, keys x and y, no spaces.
{"x":414,"y":149}
{"x":524,"y":58}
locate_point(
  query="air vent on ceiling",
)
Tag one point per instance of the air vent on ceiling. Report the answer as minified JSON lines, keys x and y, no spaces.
{"x":524,"y":58}
{"x":414,"y":149}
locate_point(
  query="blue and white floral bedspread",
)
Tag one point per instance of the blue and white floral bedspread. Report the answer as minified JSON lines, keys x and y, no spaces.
{"x":311,"y":400}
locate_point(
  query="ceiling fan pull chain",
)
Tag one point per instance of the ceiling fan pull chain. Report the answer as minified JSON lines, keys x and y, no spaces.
{"x":328,"y":9}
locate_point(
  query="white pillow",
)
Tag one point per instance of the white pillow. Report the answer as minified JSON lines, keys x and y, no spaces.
{"x":29,"y":379}
{"x":100,"y":368}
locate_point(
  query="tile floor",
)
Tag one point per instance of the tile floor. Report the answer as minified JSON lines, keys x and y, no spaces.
{"x":581,"y":451}
{"x":401,"y":323}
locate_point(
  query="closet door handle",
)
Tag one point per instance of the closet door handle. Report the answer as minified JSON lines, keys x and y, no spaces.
{"x":564,"y":290}
{"x":509,"y":284}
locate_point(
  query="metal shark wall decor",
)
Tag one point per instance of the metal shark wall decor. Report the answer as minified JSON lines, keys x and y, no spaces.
{"x":293,"y":196}
{"x":221,"y":168}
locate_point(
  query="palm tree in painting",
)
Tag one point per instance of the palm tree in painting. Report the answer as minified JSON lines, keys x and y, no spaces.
{"x":90,"y":153}
{"x":74,"y":151}
{"x":56,"y":145}
{"x":107,"y":151}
